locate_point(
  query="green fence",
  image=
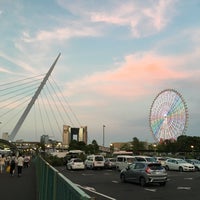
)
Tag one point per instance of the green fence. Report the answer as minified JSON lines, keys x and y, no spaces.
{"x":52,"y":185}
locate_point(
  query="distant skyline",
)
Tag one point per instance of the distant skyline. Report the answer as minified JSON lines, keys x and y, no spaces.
{"x":116,"y":56}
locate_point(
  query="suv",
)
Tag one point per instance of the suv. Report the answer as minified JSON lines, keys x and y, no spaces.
{"x":94,"y":161}
{"x":178,"y":164}
{"x":144,"y":173}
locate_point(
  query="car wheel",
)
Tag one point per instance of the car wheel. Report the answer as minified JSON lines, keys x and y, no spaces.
{"x":163,"y":184}
{"x":123,"y":179}
{"x":92,"y":166}
{"x":196,"y":168}
{"x":142,"y":181}
{"x":167,"y":168}
{"x":180,"y":169}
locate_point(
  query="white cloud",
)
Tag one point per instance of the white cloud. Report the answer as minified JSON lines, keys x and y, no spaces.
{"x":144,"y":18}
{"x":20,"y":63}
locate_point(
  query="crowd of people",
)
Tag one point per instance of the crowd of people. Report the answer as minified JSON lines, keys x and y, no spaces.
{"x":13,"y":163}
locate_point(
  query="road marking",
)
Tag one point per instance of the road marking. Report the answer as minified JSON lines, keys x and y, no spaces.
{"x":87,"y":174}
{"x":184,"y":188}
{"x":151,"y":190}
{"x":90,"y":188}
{"x":115,"y":181}
{"x":188,"y":178}
{"x":93,"y":191}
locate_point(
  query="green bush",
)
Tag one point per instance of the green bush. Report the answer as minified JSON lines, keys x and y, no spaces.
{"x":54,"y":160}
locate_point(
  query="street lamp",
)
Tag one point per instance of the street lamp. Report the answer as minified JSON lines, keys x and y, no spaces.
{"x":155,"y":148}
{"x":111,"y":148}
{"x":103,"y":135}
{"x":192,"y":148}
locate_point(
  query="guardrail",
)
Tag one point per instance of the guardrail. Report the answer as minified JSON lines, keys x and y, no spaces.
{"x":52,"y":185}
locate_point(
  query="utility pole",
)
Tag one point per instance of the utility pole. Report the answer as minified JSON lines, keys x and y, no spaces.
{"x":104,"y":135}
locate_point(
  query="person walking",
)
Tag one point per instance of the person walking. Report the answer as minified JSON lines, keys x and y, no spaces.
{"x":2,"y":163}
{"x":20,"y":163}
{"x":12,"y":165}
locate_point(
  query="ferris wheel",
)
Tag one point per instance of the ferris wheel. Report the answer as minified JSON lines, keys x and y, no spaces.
{"x":168,"y":116}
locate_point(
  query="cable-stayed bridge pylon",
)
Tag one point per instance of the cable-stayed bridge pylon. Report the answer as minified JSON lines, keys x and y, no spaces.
{"x":28,"y":108}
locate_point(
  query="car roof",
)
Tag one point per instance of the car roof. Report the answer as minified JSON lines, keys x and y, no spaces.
{"x":147,"y":163}
{"x":143,"y":157}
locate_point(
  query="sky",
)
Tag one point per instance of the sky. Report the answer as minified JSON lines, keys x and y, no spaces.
{"x":116,"y":56}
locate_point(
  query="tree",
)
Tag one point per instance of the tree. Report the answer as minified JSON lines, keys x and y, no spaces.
{"x":137,"y":145}
{"x":92,"y":148}
{"x":76,"y":145}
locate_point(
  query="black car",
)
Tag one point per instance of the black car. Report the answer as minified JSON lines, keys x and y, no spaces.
{"x":144,"y":173}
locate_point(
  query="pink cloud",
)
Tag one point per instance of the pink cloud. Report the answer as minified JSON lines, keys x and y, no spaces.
{"x":134,"y":77}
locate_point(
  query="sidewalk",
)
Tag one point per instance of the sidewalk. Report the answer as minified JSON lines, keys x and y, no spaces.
{"x":15,"y":187}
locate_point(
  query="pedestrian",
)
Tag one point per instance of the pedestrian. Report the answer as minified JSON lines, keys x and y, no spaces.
{"x":2,"y":163}
{"x":26,"y":161}
{"x":12,"y":165}
{"x":20,"y":163}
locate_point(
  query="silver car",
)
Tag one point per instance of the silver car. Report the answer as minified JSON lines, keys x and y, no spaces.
{"x":144,"y":173}
{"x":194,"y":162}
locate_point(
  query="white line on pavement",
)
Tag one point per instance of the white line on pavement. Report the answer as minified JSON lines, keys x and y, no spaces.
{"x":93,"y":190}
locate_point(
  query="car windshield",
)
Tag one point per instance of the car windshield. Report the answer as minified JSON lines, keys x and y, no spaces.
{"x":78,"y":160}
{"x":155,"y":166}
{"x":196,"y":161}
{"x":130,"y":160}
{"x":151,"y":159}
{"x":181,"y":161}
{"x":98,"y":158}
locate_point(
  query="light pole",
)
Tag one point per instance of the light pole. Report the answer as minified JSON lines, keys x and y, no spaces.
{"x":155,"y":148}
{"x":192,"y":148}
{"x":104,"y":135}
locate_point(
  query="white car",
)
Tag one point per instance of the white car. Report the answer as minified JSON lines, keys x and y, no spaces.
{"x":145,"y":159}
{"x":95,"y":161}
{"x":75,"y":163}
{"x":195,"y":162}
{"x":178,"y":164}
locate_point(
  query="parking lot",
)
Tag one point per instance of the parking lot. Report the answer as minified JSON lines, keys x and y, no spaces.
{"x":105,"y":184}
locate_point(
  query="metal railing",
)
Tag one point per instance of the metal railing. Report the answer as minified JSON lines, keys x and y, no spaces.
{"x":52,"y":185}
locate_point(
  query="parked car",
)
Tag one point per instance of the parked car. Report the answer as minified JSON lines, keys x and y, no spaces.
{"x":94,"y":161}
{"x":194,"y":162}
{"x":110,"y":163}
{"x":178,"y":164}
{"x":145,"y":159}
{"x":161,"y":160}
{"x":75,"y":163}
{"x":144,"y":173}
{"x":122,"y":161}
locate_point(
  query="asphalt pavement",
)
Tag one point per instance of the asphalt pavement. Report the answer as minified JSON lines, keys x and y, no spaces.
{"x":14,"y":187}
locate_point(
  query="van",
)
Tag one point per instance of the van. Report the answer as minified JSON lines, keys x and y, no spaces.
{"x":122,"y":161}
{"x":95,"y":161}
{"x":145,"y":159}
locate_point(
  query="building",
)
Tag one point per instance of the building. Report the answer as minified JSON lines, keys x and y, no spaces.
{"x":5,"y":136}
{"x":78,"y":134}
{"x":44,"y":139}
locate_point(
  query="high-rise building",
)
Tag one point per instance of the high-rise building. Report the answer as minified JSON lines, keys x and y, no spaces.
{"x":78,"y":134}
{"x":44,"y":139}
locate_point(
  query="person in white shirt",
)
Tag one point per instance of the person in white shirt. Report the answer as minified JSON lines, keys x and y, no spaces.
{"x":20,"y":163}
{"x":2,"y":163}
